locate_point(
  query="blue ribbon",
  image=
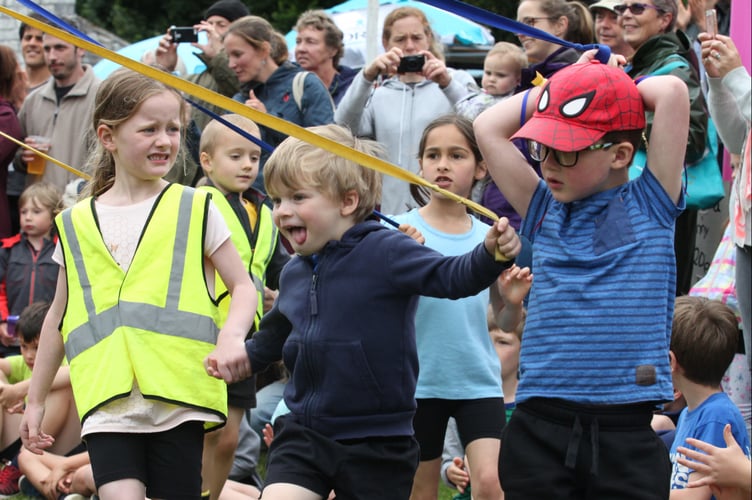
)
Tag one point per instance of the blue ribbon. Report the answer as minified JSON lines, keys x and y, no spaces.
{"x":495,"y":20}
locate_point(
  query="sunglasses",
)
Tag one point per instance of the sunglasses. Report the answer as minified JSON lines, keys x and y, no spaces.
{"x":539,"y":152}
{"x":634,"y":8}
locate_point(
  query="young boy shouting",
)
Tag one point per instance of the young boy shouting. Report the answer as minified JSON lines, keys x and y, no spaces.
{"x":344,"y":325}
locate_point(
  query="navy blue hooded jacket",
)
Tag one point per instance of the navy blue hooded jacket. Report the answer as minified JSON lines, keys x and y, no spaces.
{"x":344,"y":323}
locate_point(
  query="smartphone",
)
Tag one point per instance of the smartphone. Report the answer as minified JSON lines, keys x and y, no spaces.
{"x":183,"y":34}
{"x":411,"y":64}
{"x":711,"y":23}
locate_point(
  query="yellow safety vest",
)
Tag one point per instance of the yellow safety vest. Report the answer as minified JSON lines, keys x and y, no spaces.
{"x":154,"y":323}
{"x":255,"y":258}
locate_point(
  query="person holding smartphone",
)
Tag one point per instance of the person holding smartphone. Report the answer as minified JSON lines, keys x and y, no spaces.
{"x":217,"y":76}
{"x":393,"y":105}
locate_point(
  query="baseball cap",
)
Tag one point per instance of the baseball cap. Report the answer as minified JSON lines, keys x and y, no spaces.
{"x":580,"y":104}
{"x":606,"y":4}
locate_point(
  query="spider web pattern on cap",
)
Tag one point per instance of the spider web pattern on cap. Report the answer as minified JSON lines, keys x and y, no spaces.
{"x":581,"y":103}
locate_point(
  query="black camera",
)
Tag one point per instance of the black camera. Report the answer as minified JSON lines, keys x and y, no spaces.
{"x":183,"y":34}
{"x":411,"y":64}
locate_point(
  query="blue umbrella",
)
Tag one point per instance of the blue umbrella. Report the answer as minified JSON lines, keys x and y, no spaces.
{"x":350,"y":17}
{"x":186,"y":55}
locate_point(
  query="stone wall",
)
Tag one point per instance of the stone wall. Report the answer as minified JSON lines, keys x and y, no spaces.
{"x":61,"y":8}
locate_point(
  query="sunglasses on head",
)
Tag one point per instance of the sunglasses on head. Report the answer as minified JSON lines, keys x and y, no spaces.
{"x":634,"y":8}
{"x":539,"y":152}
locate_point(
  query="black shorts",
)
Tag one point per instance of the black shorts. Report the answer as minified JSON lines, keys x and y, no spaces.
{"x":476,"y":419}
{"x":242,"y":394}
{"x":560,"y":450}
{"x":168,"y":463}
{"x":380,"y":468}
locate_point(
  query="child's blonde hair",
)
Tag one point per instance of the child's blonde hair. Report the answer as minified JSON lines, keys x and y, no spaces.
{"x":296,"y":164}
{"x":118,"y":99}
{"x":511,"y":50}
{"x":214,"y":129}
{"x":45,"y":195}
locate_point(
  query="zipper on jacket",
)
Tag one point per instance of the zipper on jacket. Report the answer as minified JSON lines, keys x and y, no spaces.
{"x":34,"y":259}
{"x":312,"y":293}
{"x":310,"y":363}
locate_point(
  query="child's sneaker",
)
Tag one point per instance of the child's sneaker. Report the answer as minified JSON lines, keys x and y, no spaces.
{"x":28,"y":489}
{"x":9,"y":476}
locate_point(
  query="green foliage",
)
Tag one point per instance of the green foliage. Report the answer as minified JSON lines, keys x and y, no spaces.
{"x":134,"y":20}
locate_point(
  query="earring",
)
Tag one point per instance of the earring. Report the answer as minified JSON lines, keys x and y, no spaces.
{"x":263,"y":62}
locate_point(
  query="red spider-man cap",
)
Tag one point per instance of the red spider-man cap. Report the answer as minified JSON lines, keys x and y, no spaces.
{"x":581,"y":103}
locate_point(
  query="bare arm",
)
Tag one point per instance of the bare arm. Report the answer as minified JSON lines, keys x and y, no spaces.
{"x":509,"y":169}
{"x":49,"y":356}
{"x":229,"y":360}
{"x":668,"y":97}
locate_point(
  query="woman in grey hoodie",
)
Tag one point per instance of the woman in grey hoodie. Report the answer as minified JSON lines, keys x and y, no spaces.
{"x":394,"y":107}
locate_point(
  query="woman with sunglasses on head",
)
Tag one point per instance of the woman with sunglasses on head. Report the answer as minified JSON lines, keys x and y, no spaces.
{"x":650,"y":28}
{"x":569,"y":21}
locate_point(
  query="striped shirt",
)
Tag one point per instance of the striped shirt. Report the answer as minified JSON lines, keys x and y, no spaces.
{"x":599,"y":316}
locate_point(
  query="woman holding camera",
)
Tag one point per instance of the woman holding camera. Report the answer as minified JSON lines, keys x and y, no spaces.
{"x":393,"y":98}
{"x":257,"y":55}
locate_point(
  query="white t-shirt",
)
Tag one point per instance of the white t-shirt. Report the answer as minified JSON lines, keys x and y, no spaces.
{"x":121,"y":228}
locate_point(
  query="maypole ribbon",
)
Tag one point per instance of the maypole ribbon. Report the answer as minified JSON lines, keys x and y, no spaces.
{"x":265,"y":119}
{"x":47,"y":157}
{"x":500,"y":22}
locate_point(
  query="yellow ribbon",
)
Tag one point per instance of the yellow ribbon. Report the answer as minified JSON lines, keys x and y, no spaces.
{"x":46,"y":157}
{"x":265,"y":119}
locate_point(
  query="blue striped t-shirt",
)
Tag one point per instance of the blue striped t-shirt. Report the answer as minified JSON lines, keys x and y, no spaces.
{"x":599,"y":316}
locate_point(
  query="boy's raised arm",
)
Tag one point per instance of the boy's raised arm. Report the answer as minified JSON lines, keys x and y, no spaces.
{"x":510,"y":171}
{"x":668,"y":97}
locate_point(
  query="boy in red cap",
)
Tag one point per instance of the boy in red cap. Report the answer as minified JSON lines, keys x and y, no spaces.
{"x":594,"y":364}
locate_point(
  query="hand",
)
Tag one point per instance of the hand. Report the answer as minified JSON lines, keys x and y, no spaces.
{"x":412,"y":232}
{"x":457,"y":474}
{"x":385,"y":64}
{"x":28,"y":155}
{"x":167,"y":53}
{"x":6,"y":339}
{"x":213,"y":40}
{"x":269,"y":297}
{"x":720,"y":467}
{"x":10,"y":396}
{"x":268,"y":432}
{"x":57,"y":482}
{"x":254,"y":102}
{"x":228,"y":361}
{"x":32,"y":436}
{"x":616,"y":60}
{"x":514,"y":284}
{"x":719,"y":55}
{"x":435,"y":70}
{"x":502,"y":240}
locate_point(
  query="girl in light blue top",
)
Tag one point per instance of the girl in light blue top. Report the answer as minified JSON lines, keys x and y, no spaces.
{"x":459,"y":370}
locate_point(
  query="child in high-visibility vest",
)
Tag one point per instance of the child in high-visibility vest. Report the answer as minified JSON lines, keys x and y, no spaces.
{"x":133,"y":307}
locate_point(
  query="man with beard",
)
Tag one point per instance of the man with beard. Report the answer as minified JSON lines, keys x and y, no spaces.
{"x":59,"y":110}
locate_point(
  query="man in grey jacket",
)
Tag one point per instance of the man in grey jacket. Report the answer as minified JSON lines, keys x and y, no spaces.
{"x":60,"y":110}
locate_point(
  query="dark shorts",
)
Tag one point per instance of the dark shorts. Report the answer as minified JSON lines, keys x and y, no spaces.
{"x":168,"y":463}
{"x":374,"y":468}
{"x":559,"y":450}
{"x":242,"y":394}
{"x":476,"y":419}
